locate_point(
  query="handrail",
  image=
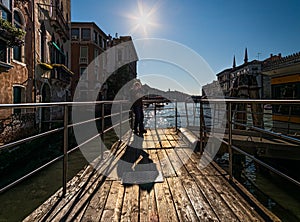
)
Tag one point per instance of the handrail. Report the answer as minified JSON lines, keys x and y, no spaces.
{"x":229,"y":102}
{"x":66,"y":126}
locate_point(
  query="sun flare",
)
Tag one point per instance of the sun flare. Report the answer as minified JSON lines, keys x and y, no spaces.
{"x":143,"y":21}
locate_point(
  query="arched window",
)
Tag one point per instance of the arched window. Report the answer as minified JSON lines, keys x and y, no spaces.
{"x":19,"y":23}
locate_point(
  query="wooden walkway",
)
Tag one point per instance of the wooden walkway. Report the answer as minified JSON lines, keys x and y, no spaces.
{"x":186,"y":193}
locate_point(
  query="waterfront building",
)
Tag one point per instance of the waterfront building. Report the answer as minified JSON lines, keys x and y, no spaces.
{"x":15,"y":66}
{"x":102,"y":64}
{"x":34,"y":62}
{"x":52,"y":52}
{"x":250,"y":73}
{"x":285,"y":83}
{"x":120,"y":66}
{"x":88,"y":42}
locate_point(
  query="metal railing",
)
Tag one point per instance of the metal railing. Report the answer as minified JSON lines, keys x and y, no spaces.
{"x":158,"y":105}
{"x":67,"y":108}
{"x":208,"y":110}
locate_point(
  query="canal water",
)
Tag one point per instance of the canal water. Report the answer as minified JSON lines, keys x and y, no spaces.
{"x":278,"y":195}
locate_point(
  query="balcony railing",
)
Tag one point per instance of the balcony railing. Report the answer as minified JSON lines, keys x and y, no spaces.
{"x":83,"y":60}
{"x":58,"y":21}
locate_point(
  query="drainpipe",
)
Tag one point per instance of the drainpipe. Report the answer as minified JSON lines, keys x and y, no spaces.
{"x":34,"y":53}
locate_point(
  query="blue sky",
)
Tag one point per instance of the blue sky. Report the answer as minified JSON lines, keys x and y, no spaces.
{"x":215,"y":29}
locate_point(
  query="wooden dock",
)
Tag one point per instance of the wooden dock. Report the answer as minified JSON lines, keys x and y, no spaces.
{"x":184,"y":193}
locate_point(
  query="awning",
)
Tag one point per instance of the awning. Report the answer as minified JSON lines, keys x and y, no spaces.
{"x":46,"y":66}
{"x":64,"y":68}
{"x":57,"y":47}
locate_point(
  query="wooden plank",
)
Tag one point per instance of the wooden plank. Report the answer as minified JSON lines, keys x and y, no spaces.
{"x":176,"y":162}
{"x":195,"y":159}
{"x":154,"y":157}
{"x":113,"y":206}
{"x":202,"y":208}
{"x":166,"y":166}
{"x":234,"y":200}
{"x":149,"y":140}
{"x":165,"y":205}
{"x":96,"y":201}
{"x":63,"y":210}
{"x":220,"y":207}
{"x":192,"y":169}
{"x":178,"y":141}
{"x":183,"y":206}
{"x":130,"y":208}
{"x":161,"y":135}
{"x":148,"y":209}
{"x":88,"y":179}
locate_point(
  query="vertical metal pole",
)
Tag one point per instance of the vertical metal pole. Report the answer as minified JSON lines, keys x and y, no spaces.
{"x":187,"y":115}
{"x":214,"y":119}
{"x":194,"y":114}
{"x":65,"y":159}
{"x":102,"y":130}
{"x":201,"y":119}
{"x":154,"y":115}
{"x":121,"y":113}
{"x":230,"y":140}
{"x":176,"y":117}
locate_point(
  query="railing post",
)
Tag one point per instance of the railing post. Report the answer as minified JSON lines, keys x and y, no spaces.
{"x":176,"y":117}
{"x":154,"y":115}
{"x":65,"y":159}
{"x":214,"y":119}
{"x":102,"y":130}
{"x":121,"y":113}
{"x":229,"y":116}
{"x":201,"y":123}
{"x":187,"y":114}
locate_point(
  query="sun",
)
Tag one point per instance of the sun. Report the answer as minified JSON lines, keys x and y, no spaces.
{"x":144,"y":20}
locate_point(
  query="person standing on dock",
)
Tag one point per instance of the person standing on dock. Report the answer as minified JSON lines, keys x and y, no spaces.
{"x":137,"y":108}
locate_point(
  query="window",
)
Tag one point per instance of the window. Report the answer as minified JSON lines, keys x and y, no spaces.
{"x":17,"y":50}
{"x":83,"y":55}
{"x":83,"y":73}
{"x":75,"y":33}
{"x":3,"y":51}
{"x":100,"y":41}
{"x":18,"y":96}
{"x":85,"y":34}
{"x":95,"y":37}
{"x":104,"y":43}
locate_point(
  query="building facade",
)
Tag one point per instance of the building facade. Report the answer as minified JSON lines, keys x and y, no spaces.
{"x":120,"y":65}
{"x":285,"y":84}
{"x":245,"y":77}
{"x":102,"y":64}
{"x":88,"y":43}
{"x":15,"y":58}
{"x":52,"y":53}
{"x":35,"y":54}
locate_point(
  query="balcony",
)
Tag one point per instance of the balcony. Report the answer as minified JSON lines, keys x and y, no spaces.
{"x":58,"y":21}
{"x":61,"y":73}
{"x":4,"y":67}
{"x":12,"y":35}
{"x":83,"y":60}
